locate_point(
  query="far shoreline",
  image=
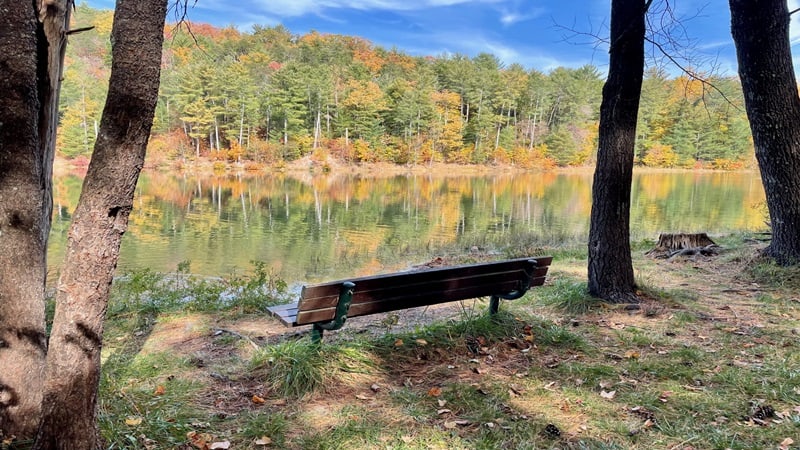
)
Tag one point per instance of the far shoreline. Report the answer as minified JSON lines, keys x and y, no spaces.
{"x":306,"y":167}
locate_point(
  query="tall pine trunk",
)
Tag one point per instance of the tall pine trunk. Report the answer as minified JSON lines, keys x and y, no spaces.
{"x":32,"y":44}
{"x":610,"y":265}
{"x":99,"y":221}
{"x":763,"y":48}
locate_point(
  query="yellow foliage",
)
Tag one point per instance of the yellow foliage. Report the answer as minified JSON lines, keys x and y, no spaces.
{"x":462,"y":156}
{"x":362,"y":152}
{"x":660,"y":155}
{"x":103,"y":21}
{"x":364,"y":95}
{"x":535,"y":158}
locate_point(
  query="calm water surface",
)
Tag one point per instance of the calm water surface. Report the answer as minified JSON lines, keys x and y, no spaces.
{"x":328,"y":227}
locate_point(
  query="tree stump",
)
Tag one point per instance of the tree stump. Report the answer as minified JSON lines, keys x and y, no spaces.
{"x":683,"y":244}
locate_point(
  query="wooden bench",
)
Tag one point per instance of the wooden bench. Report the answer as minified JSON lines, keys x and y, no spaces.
{"x":327,"y":306}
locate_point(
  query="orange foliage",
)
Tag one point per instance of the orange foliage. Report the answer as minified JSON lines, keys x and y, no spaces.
{"x":167,"y":145}
{"x":371,"y":59}
{"x":501,"y":156}
{"x":406,"y":62}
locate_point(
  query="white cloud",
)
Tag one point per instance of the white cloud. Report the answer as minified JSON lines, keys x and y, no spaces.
{"x":508,"y":17}
{"x":293,"y":8}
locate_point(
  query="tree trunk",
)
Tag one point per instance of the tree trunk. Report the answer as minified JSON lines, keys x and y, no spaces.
{"x":32,"y":44}
{"x":680,"y":241}
{"x":763,"y":48}
{"x":610,"y":265}
{"x":100,"y":219}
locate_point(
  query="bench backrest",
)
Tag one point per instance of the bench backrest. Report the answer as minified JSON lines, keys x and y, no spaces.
{"x":390,"y":292}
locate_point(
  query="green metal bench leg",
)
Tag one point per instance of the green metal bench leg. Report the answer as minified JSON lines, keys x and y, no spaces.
{"x":316,"y":334}
{"x":494,"y":305}
{"x":342,"y":307}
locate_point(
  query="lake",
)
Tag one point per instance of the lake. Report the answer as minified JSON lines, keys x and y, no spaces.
{"x":320,"y":228}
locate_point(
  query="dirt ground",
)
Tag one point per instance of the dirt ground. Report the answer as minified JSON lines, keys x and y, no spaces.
{"x":723,"y":298}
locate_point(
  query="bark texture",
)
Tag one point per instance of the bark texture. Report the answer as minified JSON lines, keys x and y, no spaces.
{"x":610,"y":265}
{"x":32,"y":44}
{"x":761,"y":33}
{"x":100,"y":219}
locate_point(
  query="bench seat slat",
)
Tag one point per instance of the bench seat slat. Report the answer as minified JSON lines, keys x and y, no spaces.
{"x":395,"y":291}
{"x":327,"y":295}
{"x":405,"y":302}
{"x":285,"y":313}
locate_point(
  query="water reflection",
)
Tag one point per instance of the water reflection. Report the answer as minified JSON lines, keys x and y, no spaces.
{"x":326,"y":227}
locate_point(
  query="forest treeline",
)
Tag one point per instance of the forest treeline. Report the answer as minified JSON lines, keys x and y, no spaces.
{"x":269,"y":97}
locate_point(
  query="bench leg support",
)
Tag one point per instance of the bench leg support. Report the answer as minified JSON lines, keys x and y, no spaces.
{"x":316,"y":334}
{"x":494,"y":305}
{"x":342,"y":307}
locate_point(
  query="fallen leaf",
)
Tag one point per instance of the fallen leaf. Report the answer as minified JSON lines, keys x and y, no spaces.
{"x":199,"y":440}
{"x":664,"y":396}
{"x":441,"y":402}
{"x":133,"y":421}
{"x":363,"y":397}
{"x":786,"y":443}
{"x":258,"y":400}
{"x":443,"y":411}
{"x":220,"y":445}
{"x":632,"y":354}
{"x":398,"y":343}
{"x":160,"y":390}
{"x":421,"y":342}
{"x":264,"y":440}
{"x":608,"y":394}
{"x":450,"y":424}
{"x":529,"y":338}
{"x":149,"y":444}
{"x":434,"y":391}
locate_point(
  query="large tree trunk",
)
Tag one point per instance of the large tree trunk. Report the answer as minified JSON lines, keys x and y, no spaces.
{"x":32,"y":44}
{"x":100,"y":219}
{"x":610,"y":265}
{"x":761,"y":33}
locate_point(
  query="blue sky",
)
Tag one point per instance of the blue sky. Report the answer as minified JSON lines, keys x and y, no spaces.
{"x":539,"y":34}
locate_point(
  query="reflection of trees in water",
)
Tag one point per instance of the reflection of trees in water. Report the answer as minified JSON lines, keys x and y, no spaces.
{"x":327,"y":226}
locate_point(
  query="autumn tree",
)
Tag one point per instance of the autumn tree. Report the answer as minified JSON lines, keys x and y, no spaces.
{"x":610,"y":266}
{"x":58,"y":395}
{"x":763,"y":49}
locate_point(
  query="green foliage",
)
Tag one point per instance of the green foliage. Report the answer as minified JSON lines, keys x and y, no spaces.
{"x":222,"y":89}
{"x":147,"y":293}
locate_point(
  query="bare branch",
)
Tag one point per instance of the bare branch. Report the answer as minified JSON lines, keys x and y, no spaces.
{"x":180,"y":10}
{"x":79,"y":30}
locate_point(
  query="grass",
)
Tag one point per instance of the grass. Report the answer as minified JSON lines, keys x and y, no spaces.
{"x":714,"y":341}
